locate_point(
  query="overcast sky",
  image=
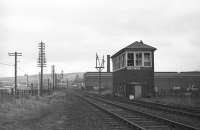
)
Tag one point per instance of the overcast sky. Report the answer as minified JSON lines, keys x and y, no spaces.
{"x":74,"y":30}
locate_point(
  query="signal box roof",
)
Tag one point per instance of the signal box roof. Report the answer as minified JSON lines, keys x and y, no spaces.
{"x":136,"y":46}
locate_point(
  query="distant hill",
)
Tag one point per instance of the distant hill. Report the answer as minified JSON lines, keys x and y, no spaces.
{"x":34,"y":78}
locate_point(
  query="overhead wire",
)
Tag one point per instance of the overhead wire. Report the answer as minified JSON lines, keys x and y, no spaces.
{"x":12,"y":66}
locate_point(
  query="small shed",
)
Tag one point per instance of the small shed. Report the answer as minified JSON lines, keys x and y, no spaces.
{"x":135,"y":89}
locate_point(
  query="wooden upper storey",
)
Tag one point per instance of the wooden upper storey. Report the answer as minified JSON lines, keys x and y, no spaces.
{"x":134,"y":56}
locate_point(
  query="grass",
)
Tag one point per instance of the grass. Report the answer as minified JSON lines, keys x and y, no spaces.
{"x":17,"y":105}
{"x":20,"y":107}
{"x":18,"y":113}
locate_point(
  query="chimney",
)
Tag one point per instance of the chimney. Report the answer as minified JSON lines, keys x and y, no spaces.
{"x":108,"y":63}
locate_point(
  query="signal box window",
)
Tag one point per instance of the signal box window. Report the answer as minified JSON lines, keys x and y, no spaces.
{"x":147,"y":59}
{"x":114,"y":63}
{"x":123,"y":60}
{"x":138,"y":60}
{"x":130,"y":60}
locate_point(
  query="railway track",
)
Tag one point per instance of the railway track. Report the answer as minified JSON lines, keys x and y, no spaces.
{"x":182,"y":115}
{"x":108,"y":122}
{"x":137,"y":118}
{"x":180,"y":110}
{"x":174,"y":109}
{"x":133,"y":120}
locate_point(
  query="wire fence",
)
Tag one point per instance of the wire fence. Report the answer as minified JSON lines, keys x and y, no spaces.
{"x":9,"y":93}
{"x":177,"y":93}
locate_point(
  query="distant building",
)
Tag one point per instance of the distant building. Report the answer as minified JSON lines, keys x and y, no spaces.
{"x":163,"y":81}
{"x":186,"y":81}
{"x":91,"y":80}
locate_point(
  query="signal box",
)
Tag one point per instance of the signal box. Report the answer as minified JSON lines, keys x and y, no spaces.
{"x":133,"y":70}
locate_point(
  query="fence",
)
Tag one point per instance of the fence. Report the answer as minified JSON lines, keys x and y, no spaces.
{"x":177,"y":93}
{"x":33,"y":92}
{"x":22,"y":92}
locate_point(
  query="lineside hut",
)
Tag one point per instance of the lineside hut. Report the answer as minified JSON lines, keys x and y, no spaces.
{"x":133,"y":70}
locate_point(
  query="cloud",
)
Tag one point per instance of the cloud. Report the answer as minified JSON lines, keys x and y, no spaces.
{"x":75,"y":30}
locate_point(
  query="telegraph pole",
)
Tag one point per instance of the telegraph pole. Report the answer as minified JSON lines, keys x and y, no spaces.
{"x":67,"y":83}
{"x":62,"y":76}
{"x":15,"y":54}
{"x":41,"y":63}
{"x":53,"y":76}
{"x":39,"y":84}
{"x":99,"y":67}
{"x":48,"y":86}
{"x":26,"y":79}
{"x":56,"y":81}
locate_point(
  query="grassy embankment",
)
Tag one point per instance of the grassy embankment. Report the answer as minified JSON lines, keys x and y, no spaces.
{"x":17,"y":110}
